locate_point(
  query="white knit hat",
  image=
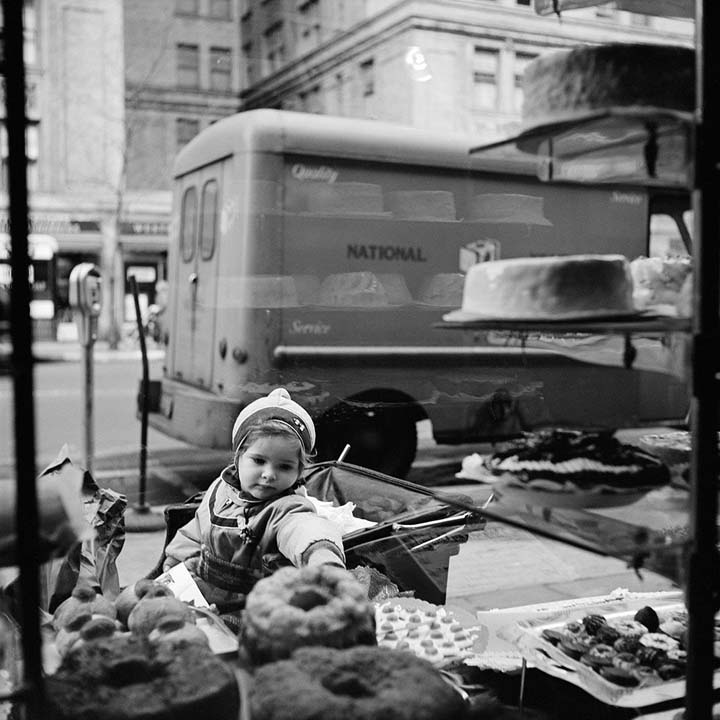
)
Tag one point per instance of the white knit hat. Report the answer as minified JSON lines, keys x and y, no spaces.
{"x":275,"y":406}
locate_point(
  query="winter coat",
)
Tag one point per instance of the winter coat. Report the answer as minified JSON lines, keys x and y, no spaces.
{"x":233,"y":541}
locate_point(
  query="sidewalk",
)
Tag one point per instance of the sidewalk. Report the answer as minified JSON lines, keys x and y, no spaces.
{"x":72,"y":351}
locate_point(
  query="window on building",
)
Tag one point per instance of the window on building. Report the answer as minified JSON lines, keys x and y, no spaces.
{"x":208,"y":219}
{"x":339,"y":93}
{"x":188,"y":66}
{"x":188,"y":224}
{"x":185,"y":130}
{"x":367,"y":77}
{"x":309,"y":21}
{"x":220,"y":9}
{"x":220,"y":69}
{"x":485,"y":75}
{"x":32,"y":147}
{"x":187,"y":7}
{"x":249,"y":64}
{"x":274,"y":54}
{"x":523,"y":2}
{"x":311,"y":100}
{"x":29,"y":35}
{"x":521,"y":62}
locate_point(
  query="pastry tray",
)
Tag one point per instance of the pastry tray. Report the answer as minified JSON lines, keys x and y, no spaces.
{"x":552,"y":660}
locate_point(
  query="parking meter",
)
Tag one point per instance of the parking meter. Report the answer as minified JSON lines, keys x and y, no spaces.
{"x":86,"y":300}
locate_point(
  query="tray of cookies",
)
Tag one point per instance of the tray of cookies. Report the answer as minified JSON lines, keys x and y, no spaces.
{"x":626,"y":659}
{"x":438,"y":634}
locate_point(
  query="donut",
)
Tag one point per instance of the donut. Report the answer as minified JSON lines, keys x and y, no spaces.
{"x":661,"y":641}
{"x":607,"y":634}
{"x":577,"y":645}
{"x":599,"y":655}
{"x":149,"y":612}
{"x":627,"y":644}
{"x":130,"y":596}
{"x":83,"y":600}
{"x":629,"y":628}
{"x":650,"y":656}
{"x":648,"y":617}
{"x":592,"y":623}
{"x":619,"y":676}
{"x":322,"y":683}
{"x":676,"y":655}
{"x":625,"y":661}
{"x":310,"y":605}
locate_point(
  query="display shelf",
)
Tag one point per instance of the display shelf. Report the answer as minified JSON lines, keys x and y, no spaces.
{"x":640,"y":324}
{"x":691,"y":154}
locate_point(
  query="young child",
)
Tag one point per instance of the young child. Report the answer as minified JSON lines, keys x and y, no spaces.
{"x":250,"y":517}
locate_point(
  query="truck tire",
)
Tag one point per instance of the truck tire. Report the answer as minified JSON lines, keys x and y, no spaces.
{"x":383,"y":440}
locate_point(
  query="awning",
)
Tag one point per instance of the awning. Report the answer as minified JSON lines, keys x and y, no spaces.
{"x":40,"y":246}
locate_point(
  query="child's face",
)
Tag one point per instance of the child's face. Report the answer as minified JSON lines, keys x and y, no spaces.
{"x":269,"y":466}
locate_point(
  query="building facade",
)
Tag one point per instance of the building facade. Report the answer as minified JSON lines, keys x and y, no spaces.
{"x":116,"y":87}
{"x":449,"y":66}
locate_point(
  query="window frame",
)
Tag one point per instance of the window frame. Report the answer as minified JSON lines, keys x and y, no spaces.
{"x":184,"y":51}
{"x":188,"y":237}
{"x":205,"y":253}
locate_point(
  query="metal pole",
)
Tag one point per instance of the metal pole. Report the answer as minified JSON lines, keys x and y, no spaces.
{"x":26,"y":510}
{"x":143,"y":396}
{"x":89,"y":390}
{"x":703,"y":567}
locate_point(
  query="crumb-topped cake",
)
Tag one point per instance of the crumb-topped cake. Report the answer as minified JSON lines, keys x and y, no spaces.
{"x":575,"y":461}
{"x":592,"y":77}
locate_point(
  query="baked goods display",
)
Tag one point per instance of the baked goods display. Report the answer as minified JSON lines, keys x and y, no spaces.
{"x":129,"y":678}
{"x":428,"y":631}
{"x":657,"y":281}
{"x":296,"y":607}
{"x":345,"y":198}
{"x":443,"y":290}
{"x":548,"y":288}
{"x":421,"y":204}
{"x":361,"y":683}
{"x":638,"y":650}
{"x":507,"y":208}
{"x":557,"y":85}
{"x":353,"y":289}
{"x":569,"y":461}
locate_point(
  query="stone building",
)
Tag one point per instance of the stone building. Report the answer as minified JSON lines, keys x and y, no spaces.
{"x":116,"y":87}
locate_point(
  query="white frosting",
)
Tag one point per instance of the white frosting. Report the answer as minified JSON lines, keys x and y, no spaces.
{"x":549,"y":287}
{"x":575,"y":465}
